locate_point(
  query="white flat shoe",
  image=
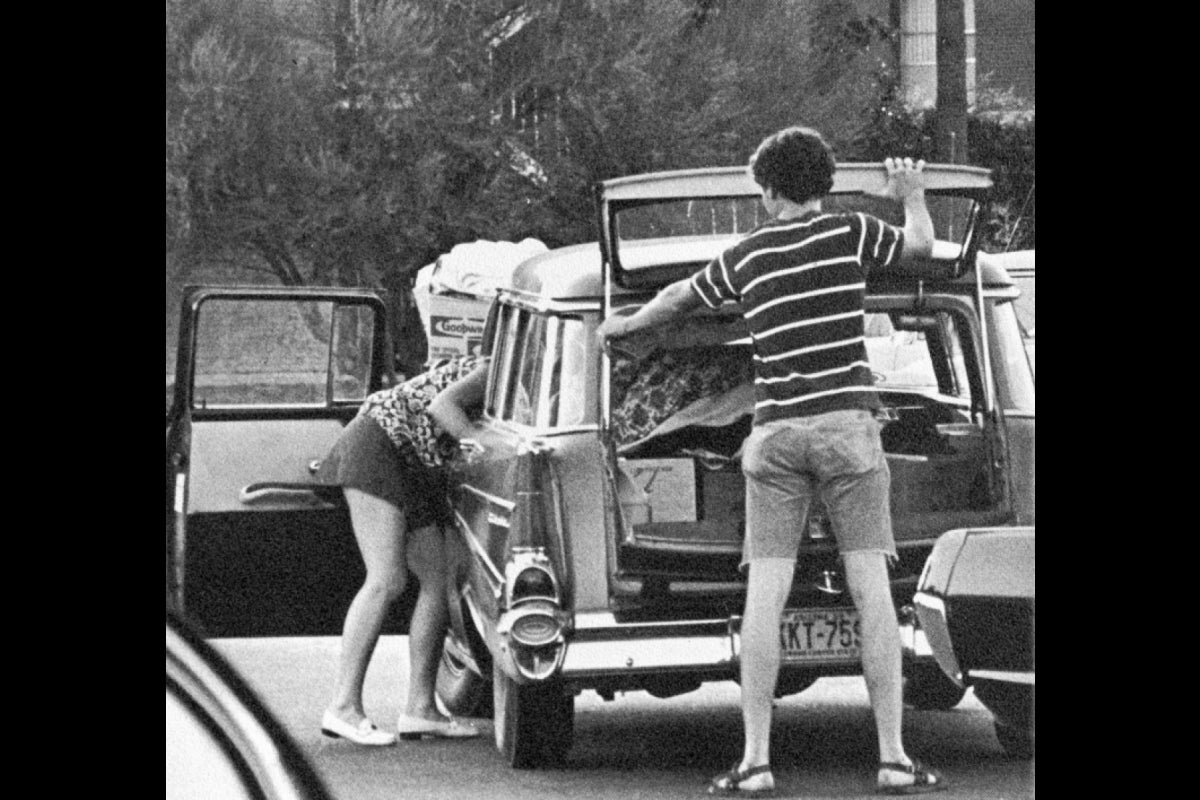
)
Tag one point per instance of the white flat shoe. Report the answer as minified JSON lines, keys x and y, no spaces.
{"x":414,"y":728}
{"x":364,"y":733}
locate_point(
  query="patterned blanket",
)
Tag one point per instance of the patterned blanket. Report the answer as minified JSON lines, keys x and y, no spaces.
{"x":648,"y":392}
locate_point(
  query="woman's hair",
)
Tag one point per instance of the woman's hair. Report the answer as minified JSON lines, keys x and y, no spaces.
{"x":796,"y":162}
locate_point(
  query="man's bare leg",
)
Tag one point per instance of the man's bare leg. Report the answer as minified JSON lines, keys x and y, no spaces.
{"x":867,"y":576}
{"x":769,"y":583}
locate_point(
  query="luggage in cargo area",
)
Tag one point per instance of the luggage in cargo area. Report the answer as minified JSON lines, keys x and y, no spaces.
{"x":679,"y":418}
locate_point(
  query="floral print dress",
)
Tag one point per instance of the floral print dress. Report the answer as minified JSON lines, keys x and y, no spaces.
{"x":403,"y":412}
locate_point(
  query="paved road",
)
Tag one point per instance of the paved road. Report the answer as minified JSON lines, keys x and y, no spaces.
{"x":637,"y":746}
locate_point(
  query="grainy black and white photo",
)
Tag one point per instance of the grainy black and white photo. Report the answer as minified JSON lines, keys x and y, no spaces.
{"x":600,"y":398}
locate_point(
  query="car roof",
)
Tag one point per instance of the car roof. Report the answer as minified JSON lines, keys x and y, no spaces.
{"x":574,"y":273}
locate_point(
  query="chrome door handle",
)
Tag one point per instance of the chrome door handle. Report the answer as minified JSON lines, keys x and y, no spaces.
{"x":279,"y":493}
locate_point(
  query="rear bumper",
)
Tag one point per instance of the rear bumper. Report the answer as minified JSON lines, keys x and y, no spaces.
{"x":601,"y":647}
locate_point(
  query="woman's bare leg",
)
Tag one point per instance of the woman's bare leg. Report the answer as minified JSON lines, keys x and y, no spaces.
{"x":380,"y":530}
{"x":429,"y":620}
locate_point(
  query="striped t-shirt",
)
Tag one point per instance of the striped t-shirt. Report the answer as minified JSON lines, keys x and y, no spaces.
{"x":801,"y":283}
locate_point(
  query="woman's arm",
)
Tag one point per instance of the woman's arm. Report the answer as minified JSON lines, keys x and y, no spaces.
{"x":449,"y":409}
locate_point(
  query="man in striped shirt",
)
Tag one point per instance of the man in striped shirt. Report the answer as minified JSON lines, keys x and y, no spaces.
{"x":800,"y":280}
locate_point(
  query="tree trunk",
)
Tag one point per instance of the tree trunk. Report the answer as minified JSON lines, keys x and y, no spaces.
{"x":951,"y":128}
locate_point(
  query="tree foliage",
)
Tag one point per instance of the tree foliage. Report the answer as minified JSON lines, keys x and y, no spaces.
{"x":330,"y":141}
{"x":349,"y":142}
{"x":1001,"y":136}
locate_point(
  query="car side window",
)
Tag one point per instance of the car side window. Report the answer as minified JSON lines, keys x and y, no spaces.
{"x":571,"y":373}
{"x":527,"y":389}
{"x":927,"y":356}
{"x":505,"y":362}
{"x":541,"y":370}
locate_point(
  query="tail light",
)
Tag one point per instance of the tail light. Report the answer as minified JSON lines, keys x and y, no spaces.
{"x":533,"y":622}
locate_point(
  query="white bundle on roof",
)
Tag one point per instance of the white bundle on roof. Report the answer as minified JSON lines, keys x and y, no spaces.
{"x":478,"y":268}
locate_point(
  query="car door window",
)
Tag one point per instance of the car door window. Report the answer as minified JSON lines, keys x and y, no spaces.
{"x":273,"y":353}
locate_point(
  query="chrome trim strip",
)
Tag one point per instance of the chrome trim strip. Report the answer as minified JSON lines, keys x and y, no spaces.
{"x":989,"y":387}
{"x":540,"y":303}
{"x":1008,"y":676}
{"x":535,"y":432}
{"x":507,"y":505}
{"x":602,"y":621}
{"x":478,"y":550}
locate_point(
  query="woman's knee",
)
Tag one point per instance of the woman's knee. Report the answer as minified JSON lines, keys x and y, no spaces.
{"x":386,"y":586}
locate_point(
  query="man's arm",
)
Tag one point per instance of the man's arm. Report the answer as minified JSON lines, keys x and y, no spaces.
{"x":671,"y":303}
{"x":906,"y":183}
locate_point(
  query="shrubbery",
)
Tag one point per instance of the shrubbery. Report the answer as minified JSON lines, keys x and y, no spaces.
{"x":1000,"y":137}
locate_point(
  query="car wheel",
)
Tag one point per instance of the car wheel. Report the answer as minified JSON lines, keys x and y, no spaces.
{"x":928,"y":689}
{"x":1012,"y":706}
{"x":535,"y":723}
{"x":1016,"y":741}
{"x":462,"y":691}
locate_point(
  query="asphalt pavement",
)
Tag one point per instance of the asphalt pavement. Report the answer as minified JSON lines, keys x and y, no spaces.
{"x":636,"y":746}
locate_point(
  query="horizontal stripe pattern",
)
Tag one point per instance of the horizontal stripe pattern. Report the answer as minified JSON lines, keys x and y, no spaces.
{"x":804,"y":296}
{"x":791,"y":248}
{"x":801,"y":285}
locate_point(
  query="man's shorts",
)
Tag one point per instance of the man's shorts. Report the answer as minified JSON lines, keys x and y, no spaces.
{"x":837,"y":456}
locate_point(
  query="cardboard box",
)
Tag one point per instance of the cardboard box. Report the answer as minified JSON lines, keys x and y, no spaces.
{"x":669,"y":484}
{"x":456,"y":324}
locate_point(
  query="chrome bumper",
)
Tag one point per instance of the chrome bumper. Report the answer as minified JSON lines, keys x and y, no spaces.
{"x":599,"y":645}
{"x":913,"y":642}
{"x":931,"y":615}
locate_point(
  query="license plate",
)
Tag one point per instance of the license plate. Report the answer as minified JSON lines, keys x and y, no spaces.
{"x":820,"y":634}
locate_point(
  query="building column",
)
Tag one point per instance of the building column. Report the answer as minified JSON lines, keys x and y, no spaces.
{"x":918,"y":51}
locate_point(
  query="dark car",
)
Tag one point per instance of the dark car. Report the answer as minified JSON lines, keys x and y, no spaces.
{"x":975,"y":602}
{"x":221,"y":741}
{"x":597,"y":546}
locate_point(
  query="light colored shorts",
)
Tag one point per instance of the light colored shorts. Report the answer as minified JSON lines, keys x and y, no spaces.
{"x":838,"y":456}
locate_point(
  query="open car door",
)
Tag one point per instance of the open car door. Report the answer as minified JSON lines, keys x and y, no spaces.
{"x":266,"y":377}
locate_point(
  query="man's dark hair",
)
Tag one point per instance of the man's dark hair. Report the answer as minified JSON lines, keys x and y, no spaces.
{"x":795,"y":162}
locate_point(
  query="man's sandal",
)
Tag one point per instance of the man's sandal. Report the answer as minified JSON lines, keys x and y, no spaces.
{"x":729,"y":783}
{"x":924,"y":779}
